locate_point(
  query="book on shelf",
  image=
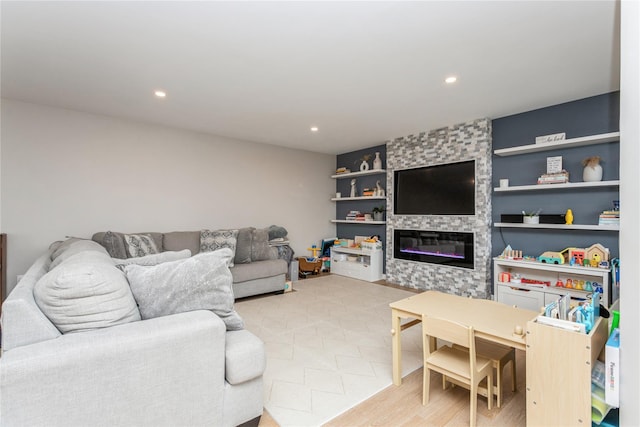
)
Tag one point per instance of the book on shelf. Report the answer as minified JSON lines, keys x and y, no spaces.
{"x":554,"y":178}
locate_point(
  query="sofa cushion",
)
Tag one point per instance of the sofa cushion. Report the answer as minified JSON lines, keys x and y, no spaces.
{"x":277,"y":232}
{"x":243,"y":245}
{"x":86,"y":292}
{"x":202,"y":282}
{"x":71,"y":247}
{"x":153,"y":259}
{"x":212,"y":240}
{"x":258,"y":270}
{"x":244,"y":357}
{"x":140,"y":245}
{"x":179,"y":240}
{"x":260,"y":249}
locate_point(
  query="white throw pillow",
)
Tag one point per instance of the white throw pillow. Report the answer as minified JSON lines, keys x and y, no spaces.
{"x":153,"y":259}
{"x":202,"y":282}
{"x":86,"y":292}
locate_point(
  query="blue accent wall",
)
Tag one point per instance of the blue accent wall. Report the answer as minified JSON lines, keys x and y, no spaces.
{"x":589,"y":116}
{"x":352,"y":161}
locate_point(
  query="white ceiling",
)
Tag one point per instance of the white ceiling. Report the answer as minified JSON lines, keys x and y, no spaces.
{"x":363,"y":72}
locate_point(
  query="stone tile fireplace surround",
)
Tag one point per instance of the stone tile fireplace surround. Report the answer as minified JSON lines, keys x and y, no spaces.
{"x":466,"y":141}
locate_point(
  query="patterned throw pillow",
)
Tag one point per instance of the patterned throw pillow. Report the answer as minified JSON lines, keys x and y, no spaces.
{"x":140,"y":245}
{"x":212,"y":240}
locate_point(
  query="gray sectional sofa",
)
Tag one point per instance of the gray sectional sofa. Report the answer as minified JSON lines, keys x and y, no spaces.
{"x":80,"y":349}
{"x":257,"y":268}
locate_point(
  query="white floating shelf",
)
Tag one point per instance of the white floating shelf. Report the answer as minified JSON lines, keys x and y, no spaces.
{"x":345,"y":221}
{"x":556,"y":145}
{"x":344,"y":199}
{"x":559,"y":226}
{"x":359,"y":173}
{"x":544,"y":187}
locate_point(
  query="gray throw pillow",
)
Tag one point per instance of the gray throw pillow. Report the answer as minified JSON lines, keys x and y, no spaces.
{"x":243,"y":246}
{"x":218,"y":239}
{"x":114,"y":244}
{"x":86,"y":292}
{"x":140,"y":245}
{"x":260,"y":249}
{"x":277,"y":232}
{"x":202,"y":282}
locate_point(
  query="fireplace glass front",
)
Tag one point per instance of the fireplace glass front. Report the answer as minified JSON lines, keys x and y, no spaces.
{"x":453,"y":249}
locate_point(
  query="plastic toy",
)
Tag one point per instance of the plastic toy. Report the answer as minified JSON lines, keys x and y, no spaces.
{"x":550,"y":257}
{"x":314,"y":250}
{"x":568,"y":217}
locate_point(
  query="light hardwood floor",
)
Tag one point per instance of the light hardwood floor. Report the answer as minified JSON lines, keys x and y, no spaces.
{"x":402,"y":406}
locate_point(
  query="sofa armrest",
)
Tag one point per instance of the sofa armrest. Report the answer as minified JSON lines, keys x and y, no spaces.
{"x":163,"y":371}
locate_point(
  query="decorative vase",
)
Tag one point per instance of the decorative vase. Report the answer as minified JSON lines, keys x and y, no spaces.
{"x":377,"y":216}
{"x":364,"y":166}
{"x":592,"y":173}
{"x":377,"y":162}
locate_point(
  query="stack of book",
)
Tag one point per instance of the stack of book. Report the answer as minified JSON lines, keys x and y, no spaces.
{"x":355,"y":216}
{"x":342,"y":170}
{"x":609,"y":218}
{"x":367,"y":192}
{"x":554,"y":178}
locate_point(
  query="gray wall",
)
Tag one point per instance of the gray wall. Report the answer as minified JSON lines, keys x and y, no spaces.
{"x":71,"y":173}
{"x":465,"y":141}
{"x":594,"y":115}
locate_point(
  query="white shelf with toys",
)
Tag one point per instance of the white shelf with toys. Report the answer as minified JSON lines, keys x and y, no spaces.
{"x":535,"y":295}
{"x":357,"y":263}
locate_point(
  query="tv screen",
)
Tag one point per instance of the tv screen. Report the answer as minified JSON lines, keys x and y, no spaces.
{"x":448,"y":189}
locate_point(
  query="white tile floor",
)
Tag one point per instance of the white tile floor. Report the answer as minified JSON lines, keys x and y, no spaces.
{"x":328,"y":346}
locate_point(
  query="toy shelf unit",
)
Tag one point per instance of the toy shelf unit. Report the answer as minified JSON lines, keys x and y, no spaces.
{"x":559,"y":364}
{"x":535,"y":296}
{"x":357,"y":263}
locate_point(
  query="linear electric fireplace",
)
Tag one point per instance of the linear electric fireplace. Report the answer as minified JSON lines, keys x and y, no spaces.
{"x":453,"y":249}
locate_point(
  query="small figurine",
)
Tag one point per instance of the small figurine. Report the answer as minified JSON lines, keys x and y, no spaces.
{"x":568,"y":217}
{"x":353,"y":187}
{"x":379,"y":190}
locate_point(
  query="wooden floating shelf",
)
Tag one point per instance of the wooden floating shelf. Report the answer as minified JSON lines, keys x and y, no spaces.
{"x":359,"y":173}
{"x":559,"y":226}
{"x":568,"y":185}
{"x":556,"y":145}
{"x":345,"y":221}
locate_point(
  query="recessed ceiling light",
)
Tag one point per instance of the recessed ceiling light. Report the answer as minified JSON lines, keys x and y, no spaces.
{"x":314,"y":128}
{"x":451,"y":79}
{"x":161,"y":94}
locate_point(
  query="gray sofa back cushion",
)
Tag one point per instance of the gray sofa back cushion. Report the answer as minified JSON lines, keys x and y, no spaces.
{"x":202,"y":282}
{"x":86,"y":292}
{"x":179,"y":240}
{"x":71,"y":247}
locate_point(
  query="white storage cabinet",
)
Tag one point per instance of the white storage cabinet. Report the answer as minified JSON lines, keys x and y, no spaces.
{"x":357,"y":263}
{"x":534,"y":297}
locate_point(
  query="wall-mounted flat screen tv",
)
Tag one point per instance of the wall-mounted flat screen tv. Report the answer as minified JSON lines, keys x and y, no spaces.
{"x":447,"y":189}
